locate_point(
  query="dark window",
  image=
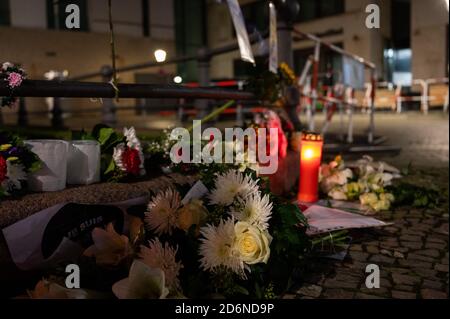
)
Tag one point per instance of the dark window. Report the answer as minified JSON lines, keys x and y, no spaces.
{"x":315,"y":9}
{"x":56,"y":14}
{"x":401,"y":24}
{"x":145,"y":18}
{"x":4,"y":12}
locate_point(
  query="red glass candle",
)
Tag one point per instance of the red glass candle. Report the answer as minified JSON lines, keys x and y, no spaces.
{"x":310,"y":159}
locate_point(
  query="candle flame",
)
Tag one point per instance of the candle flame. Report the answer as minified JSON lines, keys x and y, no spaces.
{"x":309,"y":153}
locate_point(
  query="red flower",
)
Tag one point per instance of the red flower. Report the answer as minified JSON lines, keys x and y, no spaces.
{"x":131,"y":161}
{"x":3,"y":169}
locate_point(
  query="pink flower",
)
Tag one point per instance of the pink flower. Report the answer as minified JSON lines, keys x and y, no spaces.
{"x":14,"y":79}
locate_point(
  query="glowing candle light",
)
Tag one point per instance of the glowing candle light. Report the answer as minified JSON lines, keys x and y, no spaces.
{"x":310,"y":158}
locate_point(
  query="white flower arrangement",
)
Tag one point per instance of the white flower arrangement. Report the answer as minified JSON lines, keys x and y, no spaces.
{"x":366,"y":182}
{"x":231,"y":186}
{"x":238,"y":239}
{"x":242,"y":240}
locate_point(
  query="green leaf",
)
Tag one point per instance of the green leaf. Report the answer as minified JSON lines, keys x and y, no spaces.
{"x":241,"y":290}
{"x":35,"y":166}
{"x":104,"y":135}
{"x":96,"y":130}
{"x":111,"y":167}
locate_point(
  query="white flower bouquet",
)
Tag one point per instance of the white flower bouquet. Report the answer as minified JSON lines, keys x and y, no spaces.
{"x":226,"y":236}
{"x":364,"y":180}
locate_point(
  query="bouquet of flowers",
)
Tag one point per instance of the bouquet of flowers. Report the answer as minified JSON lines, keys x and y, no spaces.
{"x":14,"y":75}
{"x":16,"y":161}
{"x":226,"y":236}
{"x":121,"y":155}
{"x":366,"y":181}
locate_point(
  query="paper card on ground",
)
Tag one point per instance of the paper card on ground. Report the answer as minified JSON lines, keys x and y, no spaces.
{"x":324,"y":219}
{"x":197,"y":191}
{"x":62,"y":232}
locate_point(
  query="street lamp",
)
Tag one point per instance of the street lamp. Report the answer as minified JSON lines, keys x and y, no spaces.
{"x":178,"y":79}
{"x":160,"y":55}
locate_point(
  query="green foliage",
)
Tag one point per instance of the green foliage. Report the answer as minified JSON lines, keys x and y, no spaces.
{"x":266,"y":86}
{"x":288,"y":247}
{"x":417,"y":196}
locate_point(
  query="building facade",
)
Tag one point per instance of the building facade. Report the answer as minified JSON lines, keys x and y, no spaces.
{"x":410,"y":43}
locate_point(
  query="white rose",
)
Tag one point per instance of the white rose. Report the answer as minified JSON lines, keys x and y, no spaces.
{"x":338,"y":194}
{"x":252,"y":243}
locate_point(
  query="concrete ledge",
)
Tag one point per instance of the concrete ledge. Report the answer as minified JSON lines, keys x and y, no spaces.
{"x":13,"y":210}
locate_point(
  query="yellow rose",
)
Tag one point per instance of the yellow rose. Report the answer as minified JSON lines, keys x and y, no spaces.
{"x":252,"y":243}
{"x":193,"y":213}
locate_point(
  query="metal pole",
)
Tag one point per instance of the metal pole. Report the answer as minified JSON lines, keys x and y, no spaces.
{"x":109,"y":108}
{"x":424,"y":100}
{"x":341,"y":121}
{"x":204,"y":81}
{"x":350,"y":116}
{"x":314,"y":82}
{"x":57,"y":120}
{"x":22,"y":116}
{"x":284,"y":32}
{"x":371,"y":134}
{"x":211,"y":52}
{"x":287,"y":10}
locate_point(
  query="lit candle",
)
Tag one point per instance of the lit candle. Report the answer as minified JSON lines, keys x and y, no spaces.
{"x":310,"y":158}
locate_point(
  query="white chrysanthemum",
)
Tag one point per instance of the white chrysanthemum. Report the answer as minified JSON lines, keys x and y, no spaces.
{"x":217,"y":248}
{"x":161,"y":215}
{"x":157,"y":255}
{"x":14,"y":173}
{"x":6,"y":65}
{"x":117,"y":156}
{"x":134,"y":143}
{"x":255,"y":210}
{"x":230,"y":186}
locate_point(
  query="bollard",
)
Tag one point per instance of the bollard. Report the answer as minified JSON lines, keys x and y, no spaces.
{"x":109,"y":108}
{"x":57,"y":120}
{"x":22,"y":114}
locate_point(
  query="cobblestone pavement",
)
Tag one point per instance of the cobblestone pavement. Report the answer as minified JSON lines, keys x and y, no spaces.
{"x":412,"y":254}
